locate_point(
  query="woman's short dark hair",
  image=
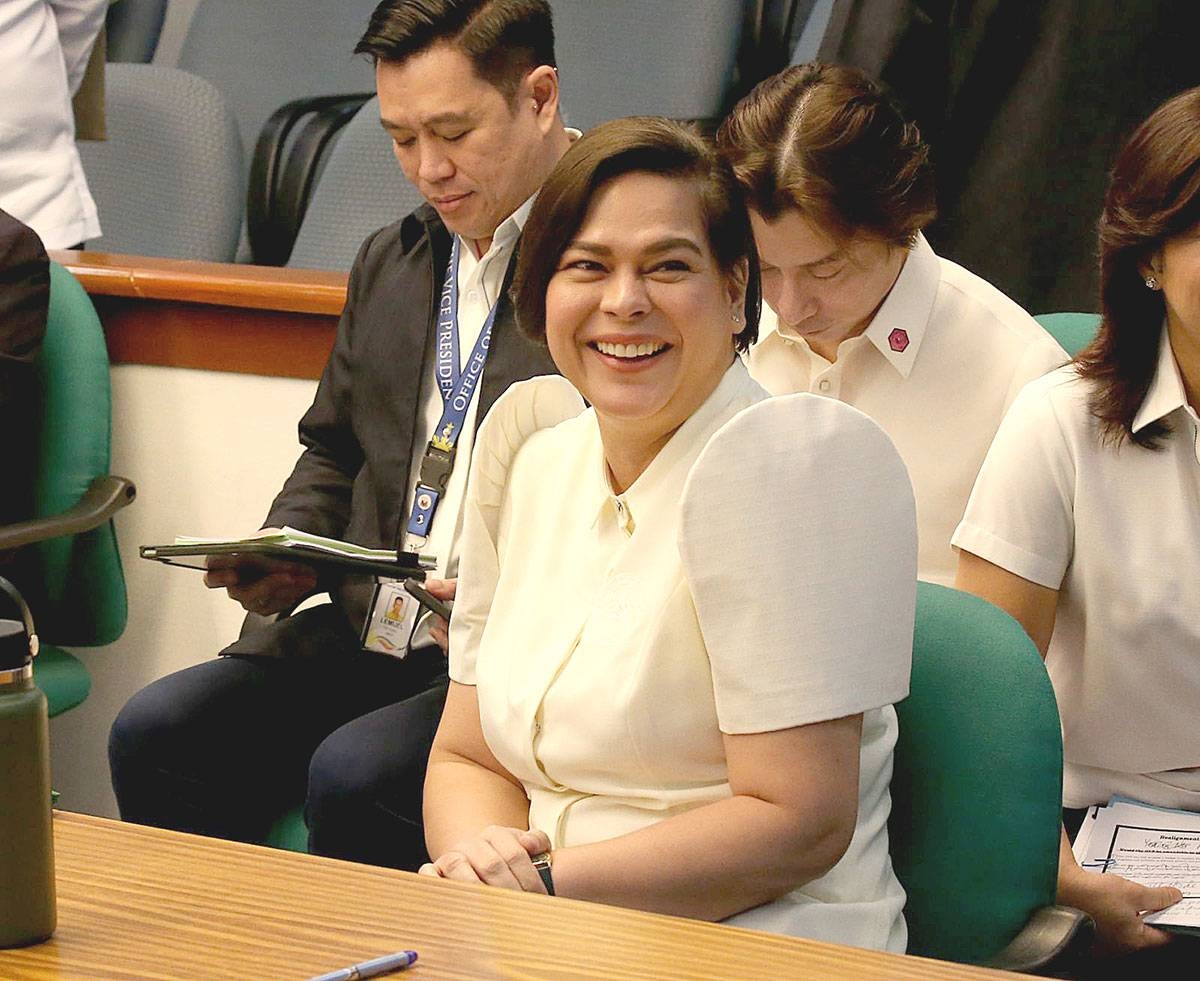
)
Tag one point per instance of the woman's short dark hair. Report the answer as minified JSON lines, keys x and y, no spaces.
{"x":1153,"y":195}
{"x":829,"y":142}
{"x":638,"y":144}
{"x":504,"y":39}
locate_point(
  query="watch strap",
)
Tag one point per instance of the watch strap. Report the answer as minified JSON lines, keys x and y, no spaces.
{"x":541,"y":862}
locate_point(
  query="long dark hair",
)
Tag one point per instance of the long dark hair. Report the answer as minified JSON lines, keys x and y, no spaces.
{"x":1153,"y":195}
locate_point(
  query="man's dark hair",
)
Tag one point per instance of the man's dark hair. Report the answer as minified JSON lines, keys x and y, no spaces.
{"x":504,"y":39}
{"x":637,"y":144}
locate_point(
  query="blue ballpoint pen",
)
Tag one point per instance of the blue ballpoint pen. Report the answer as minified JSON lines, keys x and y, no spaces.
{"x":372,"y":968}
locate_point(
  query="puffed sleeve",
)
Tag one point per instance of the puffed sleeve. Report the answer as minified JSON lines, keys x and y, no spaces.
{"x":799,"y":543}
{"x":1021,"y":514}
{"x":521,"y":411}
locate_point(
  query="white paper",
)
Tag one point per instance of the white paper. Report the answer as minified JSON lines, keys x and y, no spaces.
{"x":1151,"y":845}
{"x":293,"y":538}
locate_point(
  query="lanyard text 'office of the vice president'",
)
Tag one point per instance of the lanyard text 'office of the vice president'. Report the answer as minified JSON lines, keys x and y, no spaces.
{"x":457,"y":388}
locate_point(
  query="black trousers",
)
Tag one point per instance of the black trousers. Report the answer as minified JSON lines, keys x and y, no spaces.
{"x":226,"y":747}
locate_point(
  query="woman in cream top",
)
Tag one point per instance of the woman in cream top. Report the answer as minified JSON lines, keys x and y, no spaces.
{"x":1084,"y":523}
{"x":683,"y":613}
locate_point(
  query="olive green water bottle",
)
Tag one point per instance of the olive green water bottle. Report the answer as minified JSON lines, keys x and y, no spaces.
{"x":27,"y":912}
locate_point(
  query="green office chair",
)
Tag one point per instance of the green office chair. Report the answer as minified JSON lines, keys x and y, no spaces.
{"x":289,"y":832}
{"x":68,"y":568}
{"x":977,"y":793}
{"x":1073,"y":331}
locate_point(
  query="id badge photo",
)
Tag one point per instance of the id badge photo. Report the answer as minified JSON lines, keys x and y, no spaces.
{"x":389,"y":626}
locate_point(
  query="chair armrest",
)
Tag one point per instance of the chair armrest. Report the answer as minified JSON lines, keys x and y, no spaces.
{"x":267,"y":169}
{"x":104,"y":498}
{"x":269,"y":150}
{"x":766,"y":31}
{"x":304,"y":164}
{"x":1055,"y":938}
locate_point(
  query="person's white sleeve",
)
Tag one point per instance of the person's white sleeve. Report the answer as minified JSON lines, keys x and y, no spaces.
{"x":522,"y":410}
{"x":799,"y":544}
{"x":1020,"y":515}
{"x":79,"y":22}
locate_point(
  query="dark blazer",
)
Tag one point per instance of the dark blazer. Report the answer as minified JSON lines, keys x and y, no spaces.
{"x":24,"y":301}
{"x":360,"y":434}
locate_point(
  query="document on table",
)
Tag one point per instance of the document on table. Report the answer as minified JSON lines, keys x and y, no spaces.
{"x":1151,"y":845}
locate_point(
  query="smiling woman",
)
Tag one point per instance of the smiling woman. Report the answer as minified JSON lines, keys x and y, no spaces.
{"x":646,"y":709}
{"x":643,"y":319}
{"x":625,"y":261}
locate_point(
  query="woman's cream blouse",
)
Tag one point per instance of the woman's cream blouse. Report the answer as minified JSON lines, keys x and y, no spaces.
{"x":759,"y":575}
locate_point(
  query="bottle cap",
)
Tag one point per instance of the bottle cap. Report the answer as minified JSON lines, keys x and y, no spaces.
{"x":14,"y":645}
{"x":18,"y":641}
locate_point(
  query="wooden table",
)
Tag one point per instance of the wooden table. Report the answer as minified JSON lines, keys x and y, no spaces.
{"x":142,"y":903}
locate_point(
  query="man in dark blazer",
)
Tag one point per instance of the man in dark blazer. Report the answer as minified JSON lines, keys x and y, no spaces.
{"x":469,"y":94}
{"x":24,"y":302}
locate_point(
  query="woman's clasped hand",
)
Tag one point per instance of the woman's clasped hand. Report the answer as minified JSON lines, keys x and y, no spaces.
{"x":495,"y":857}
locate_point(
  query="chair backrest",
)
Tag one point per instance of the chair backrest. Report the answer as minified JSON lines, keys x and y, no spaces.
{"x":361,"y":189}
{"x":132,"y":29}
{"x":261,"y":55}
{"x":76,"y":586}
{"x":168,"y":180}
{"x":1073,"y":331}
{"x":627,"y":57}
{"x":977,"y":786}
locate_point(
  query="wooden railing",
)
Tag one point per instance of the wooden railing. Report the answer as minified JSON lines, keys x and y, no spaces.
{"x":256,"y":320}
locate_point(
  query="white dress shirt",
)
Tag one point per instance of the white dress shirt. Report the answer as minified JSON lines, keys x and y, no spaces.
{"x":44,"y":48}
{"x":480,"y":280}
{"x":936,"y":368}
{"x":1116,"y":530}
{"x":614,"y":638}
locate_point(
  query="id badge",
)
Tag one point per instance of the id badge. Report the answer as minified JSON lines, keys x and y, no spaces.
{"x":392,"y":619}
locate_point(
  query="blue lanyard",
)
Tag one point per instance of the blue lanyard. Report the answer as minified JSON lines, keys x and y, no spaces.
{"x":457,"y":388}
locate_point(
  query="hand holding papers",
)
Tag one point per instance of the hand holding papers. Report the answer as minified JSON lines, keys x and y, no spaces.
{"x":262,"y":585}
{"x":1152,"y":846}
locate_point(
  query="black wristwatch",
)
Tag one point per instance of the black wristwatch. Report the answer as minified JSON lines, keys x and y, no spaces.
{"x":542,"y":863}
